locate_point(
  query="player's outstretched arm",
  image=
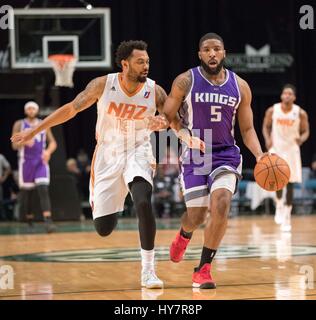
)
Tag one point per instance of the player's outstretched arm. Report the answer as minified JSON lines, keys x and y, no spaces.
{"x":84,"y":100}
{"x":267,"y":128}
{"x":180,"y":88}
{"x":245,"y":120}
{"x":168,"y":106}
{"x":304,"y":127}
{"x":16,"y":128}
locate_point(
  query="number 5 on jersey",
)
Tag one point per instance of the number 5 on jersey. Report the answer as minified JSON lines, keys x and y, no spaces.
{"x":216,"y":113}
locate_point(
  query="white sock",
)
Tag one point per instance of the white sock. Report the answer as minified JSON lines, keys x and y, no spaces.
{"x":288,"y":208}
{"x":279,"y":202}
{"x":148,"y":259}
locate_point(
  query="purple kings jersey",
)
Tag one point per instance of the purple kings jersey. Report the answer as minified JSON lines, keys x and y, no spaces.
{"x":34,"y":152}
{"x":209,"y":111}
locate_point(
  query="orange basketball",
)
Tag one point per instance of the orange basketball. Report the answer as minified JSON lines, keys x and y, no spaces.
{"x":272,"y":173}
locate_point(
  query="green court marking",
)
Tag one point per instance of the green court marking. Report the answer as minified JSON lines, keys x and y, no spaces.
{"x":265,"y":251}
{"x":15,"y":228}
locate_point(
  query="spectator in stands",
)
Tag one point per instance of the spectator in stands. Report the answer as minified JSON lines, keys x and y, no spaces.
{"x":170,"y":163}
{"x":162,"y":193}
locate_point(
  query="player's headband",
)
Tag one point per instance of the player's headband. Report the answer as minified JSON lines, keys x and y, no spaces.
{"x":31,"y":104}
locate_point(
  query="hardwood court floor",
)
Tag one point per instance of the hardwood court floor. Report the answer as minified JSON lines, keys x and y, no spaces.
{"x":256,"y":261}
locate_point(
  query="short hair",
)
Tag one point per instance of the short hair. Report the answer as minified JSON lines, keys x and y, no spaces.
{"x":126,"y":48}
{"x":209,"y":36}
{"x":289,"y":86}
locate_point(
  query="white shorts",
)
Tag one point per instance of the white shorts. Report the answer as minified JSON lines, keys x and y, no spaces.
{"x":111,"y":173}
{"x":225,"y":181}
{"x":293,"y":158}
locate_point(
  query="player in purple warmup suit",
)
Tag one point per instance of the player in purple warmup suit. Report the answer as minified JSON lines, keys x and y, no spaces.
{"x":208,"y":98}
{"x":33,"y":165}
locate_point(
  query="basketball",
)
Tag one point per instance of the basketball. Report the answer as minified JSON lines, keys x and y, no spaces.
{"x":272,"y":173}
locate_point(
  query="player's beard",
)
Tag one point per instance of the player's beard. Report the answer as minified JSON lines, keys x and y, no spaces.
{"x":142,"y":79}
{"x":212,"y":71}
{"x":137,"y":78}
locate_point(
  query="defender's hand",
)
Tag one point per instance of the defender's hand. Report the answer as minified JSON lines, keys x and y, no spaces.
{"x":157,"y":123}
{"x":24,"y":137}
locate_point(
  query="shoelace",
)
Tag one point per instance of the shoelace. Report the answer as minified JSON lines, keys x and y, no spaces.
{"x":151,"y":274}
{"x":205,"y":273}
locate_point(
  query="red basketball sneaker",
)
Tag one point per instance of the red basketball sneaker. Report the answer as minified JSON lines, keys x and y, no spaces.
{"x":202,"y":278}
{"x":178,"y":247}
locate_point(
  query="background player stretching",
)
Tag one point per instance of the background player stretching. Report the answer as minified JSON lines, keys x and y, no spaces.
{"x":208,"y":97}
{"x":33,"y":165}
{"x":123,"y":159}
{"x":285,"y":129}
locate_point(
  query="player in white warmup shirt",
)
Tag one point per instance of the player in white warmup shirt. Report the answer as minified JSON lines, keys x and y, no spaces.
{"x":123,"y":161}
{"x":285,"y":129}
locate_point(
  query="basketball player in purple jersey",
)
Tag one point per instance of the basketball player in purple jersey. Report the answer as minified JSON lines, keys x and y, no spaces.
{"x":33,"y":165}
{"x":208,"y":99}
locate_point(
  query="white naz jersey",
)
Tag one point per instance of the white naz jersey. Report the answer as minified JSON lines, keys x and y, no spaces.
{"x":285,"y":127}
{"x":285,"y":131}
{"x":116,"y":106}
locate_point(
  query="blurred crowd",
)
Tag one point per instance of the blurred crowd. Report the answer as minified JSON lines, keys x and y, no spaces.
{"x":167,"y":196}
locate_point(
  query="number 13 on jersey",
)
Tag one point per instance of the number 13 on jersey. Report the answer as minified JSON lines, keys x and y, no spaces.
{"x":216,"y":113}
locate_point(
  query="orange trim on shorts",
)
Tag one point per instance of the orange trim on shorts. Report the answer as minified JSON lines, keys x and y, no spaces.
{"x":92,"y":174}
{"x":140,"y":87}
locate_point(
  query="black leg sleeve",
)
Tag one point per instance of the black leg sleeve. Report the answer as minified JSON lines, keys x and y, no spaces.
{"x":141,"y":191}
{"x":44,"y":197}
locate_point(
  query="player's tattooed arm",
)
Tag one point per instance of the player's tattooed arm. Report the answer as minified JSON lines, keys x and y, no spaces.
{"x":16,"y":128}
{"x":90,"y":95}
{"x":267,"y":128}
{"x":172,"y":103}
{"x":245,"y":120}
{"x":161,"y":97}
{"x":159,"y":122}
{"x":304,"y":127}
{"x":84,"y":100}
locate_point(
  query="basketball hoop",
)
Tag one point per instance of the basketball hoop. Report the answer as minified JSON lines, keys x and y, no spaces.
{"x":64,"y":67}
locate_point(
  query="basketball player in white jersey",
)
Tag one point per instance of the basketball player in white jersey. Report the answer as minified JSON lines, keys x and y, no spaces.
{"x":123,"y":160}
{"x":285,"y":129}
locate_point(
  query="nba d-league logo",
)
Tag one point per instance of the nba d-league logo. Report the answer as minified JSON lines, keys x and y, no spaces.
{"x":6,"y":17}
{"x":6,"y":277}
{"x":307,"y":19}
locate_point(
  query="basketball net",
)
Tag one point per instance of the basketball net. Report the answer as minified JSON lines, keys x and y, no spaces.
{"x":64,"y":67}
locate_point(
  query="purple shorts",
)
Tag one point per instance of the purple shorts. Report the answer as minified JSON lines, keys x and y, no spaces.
{"x":33,"y":172}
{"x":198,"y":172}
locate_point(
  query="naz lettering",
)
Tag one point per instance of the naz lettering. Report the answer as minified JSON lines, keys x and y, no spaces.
{"x":127,"y":111}
{"x":285,"y":122}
